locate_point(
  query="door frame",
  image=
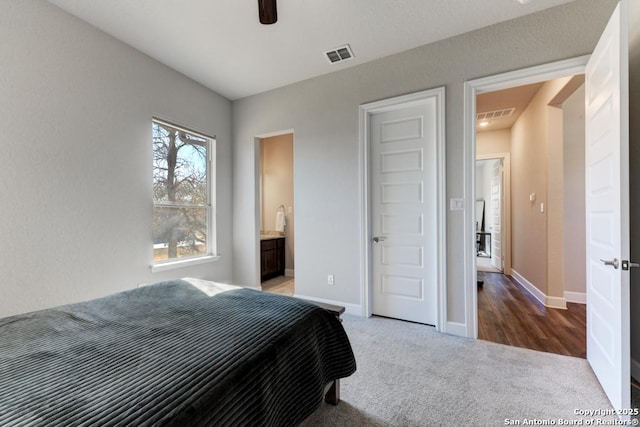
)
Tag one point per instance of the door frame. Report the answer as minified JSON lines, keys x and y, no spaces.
{"x":365,"y":112}
{"x":257,"y":197}
{"x":505,"y":224}
{"x":472,"y":88}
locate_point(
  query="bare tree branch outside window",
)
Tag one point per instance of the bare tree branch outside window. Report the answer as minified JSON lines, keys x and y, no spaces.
{"x":180,"y":193}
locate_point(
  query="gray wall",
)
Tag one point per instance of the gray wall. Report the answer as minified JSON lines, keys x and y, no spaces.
{"x":75,"y":181}
{"x":323,"y":112}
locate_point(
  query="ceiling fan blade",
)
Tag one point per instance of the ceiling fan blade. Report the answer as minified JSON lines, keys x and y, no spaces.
{"x":267,"y":11}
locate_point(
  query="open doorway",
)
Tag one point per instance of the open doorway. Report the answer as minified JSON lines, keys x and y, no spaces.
{"x":492,"y":211}
{"x":277,"y":223}
{"x":606,"y":116}
{"x":539,"y":301}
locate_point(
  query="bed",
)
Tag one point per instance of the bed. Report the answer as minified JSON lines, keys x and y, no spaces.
{"x":176,"y":353}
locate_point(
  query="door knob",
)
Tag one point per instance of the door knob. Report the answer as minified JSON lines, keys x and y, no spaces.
{"x":613,"y":263}
{"x":378,"y":239}
{"x":628,"y":264}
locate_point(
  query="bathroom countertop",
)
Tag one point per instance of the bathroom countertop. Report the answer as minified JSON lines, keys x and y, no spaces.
{"x":270,"y":237}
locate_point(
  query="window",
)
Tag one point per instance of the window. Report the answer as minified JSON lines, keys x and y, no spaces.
{"x":182,"y":197}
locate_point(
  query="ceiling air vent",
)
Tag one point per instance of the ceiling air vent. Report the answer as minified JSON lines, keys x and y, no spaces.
{"x":497,"y":114}
{"x":339,"y":54}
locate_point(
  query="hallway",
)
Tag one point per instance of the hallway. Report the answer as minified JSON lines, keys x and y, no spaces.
{"x":508,"y":314}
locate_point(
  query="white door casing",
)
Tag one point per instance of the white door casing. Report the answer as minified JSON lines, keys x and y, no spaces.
{"x":469,"y":325}
{"x":607,"y":206}
{"x":405,"y":140}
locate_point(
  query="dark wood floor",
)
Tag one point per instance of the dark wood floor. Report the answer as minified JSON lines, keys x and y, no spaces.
{"x":508,"y":314}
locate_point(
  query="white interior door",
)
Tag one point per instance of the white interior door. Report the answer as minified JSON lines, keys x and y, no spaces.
{"x":497,"y":206}
{"x":404,"y":211}
{"x":607,"y":205}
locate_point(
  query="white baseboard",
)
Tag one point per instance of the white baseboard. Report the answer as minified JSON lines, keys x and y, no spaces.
{"x":289,"y":272}
{"x":530,"y":287}
{"x":354,"y":309}
{"x":456,"y":328}
{"x":551,"y":302}
{"x":635,"y":369}
{"x":577,"y":297}
{"x":556,"y":302}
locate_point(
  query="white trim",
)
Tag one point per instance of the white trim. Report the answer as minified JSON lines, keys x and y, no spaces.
{"x":289,"y":272}
{"x":455,"y":328}
{"x":275,"y":133}
{"x":471,"y":89}
{"x":354,"y":309}
{"x":547,"y":301}
{"x":182,"y":263}
{"x":635,"y":369}
{"x":529,"y":287}
{"x":576,"y":297}
{"x":366,"y":110}
{"x":556,"y":302}
{"x":363,"y":189}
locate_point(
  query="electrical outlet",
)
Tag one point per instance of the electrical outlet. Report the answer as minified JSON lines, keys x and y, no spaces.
{"x":330,"y":280}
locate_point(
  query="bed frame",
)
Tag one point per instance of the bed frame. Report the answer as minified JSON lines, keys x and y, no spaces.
{"x":331,"y":390}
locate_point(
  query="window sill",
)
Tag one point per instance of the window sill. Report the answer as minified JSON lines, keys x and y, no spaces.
{"x":171,"y":265}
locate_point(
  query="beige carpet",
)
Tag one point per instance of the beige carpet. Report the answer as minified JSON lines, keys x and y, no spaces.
{"x":409,"y":375}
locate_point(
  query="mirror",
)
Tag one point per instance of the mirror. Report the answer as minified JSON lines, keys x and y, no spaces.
{"x":480,"y":215}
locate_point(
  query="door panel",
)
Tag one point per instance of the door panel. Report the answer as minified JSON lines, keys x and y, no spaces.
{"x":497,"y":206}
{"x":607,"y":208}
{"x":404,"y":203}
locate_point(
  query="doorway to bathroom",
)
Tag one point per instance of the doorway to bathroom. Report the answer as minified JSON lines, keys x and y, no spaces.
{"x":277,"y":224}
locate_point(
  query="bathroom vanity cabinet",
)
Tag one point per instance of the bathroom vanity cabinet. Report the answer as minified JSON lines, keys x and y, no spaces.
{"x":271,"y":257}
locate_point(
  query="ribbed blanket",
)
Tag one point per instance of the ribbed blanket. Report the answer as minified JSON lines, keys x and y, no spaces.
{"x":170,"y":355}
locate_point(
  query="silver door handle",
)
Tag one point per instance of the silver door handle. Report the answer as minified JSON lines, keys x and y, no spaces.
{"x":628,"y":264}
{"x":613,"y":263}
{"x":378,"y":239}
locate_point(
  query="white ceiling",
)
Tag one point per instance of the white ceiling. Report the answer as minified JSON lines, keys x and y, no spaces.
{"x":222,"y":45}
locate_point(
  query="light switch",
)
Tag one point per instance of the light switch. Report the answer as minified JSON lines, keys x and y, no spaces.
{"x":542,"y":207}
{"x":456,"y":204}
{"x":532,"y":197}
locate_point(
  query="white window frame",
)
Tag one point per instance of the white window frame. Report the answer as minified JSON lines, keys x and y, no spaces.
{"x":211,"y":254}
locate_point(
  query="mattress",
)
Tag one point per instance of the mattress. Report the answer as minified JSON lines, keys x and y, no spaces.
{"x":177,"y":353}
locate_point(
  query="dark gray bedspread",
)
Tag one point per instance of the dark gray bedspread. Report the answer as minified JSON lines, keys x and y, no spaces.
{"x":168,"y":354}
